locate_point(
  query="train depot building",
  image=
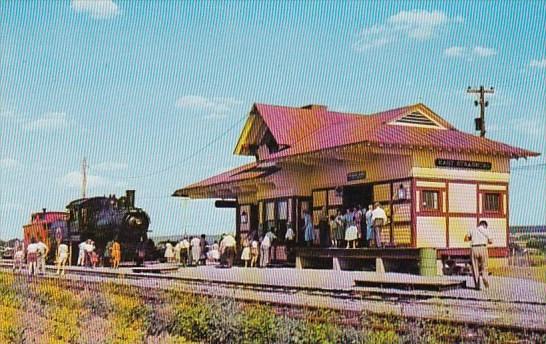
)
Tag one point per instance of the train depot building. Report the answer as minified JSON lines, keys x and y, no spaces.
{"x":433,"y":181}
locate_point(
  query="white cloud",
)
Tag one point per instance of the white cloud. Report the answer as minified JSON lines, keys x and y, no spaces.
{"x":48,"y":122}
{"x":217,"y":107}
{"x":469,"y":53}
{"x":416,"y":24}
{"x":538,"y":63}
{"x":9,"y":164}
{"x":97,"y":9}
{"x":73,"y":180}
{"x":109,"y":166}
{"x":455,"y":51}
{"x":484,"y":51}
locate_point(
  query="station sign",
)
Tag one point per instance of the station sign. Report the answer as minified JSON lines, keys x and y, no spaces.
{"x":466,"y":164}
{"x":358,"y":175}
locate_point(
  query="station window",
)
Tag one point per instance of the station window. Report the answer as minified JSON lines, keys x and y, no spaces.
{"x":492,"y":203}
{"x":430,"y":199}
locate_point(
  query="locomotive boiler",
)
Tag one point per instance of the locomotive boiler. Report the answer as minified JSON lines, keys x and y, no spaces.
{"x":103,"y":219}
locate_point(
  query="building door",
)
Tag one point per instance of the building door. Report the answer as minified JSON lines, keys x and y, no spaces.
{"x":354,"y":195}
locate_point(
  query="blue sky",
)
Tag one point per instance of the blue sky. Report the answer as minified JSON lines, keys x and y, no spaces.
{"x":137,"y":87}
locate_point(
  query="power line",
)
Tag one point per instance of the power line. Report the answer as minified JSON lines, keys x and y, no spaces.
{"x":192,"y":155}
{"x":524,"y":167}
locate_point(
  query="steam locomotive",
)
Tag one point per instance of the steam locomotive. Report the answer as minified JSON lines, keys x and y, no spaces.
{"x":103,"y":219}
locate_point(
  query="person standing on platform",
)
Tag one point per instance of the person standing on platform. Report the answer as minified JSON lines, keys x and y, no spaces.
{"x":227,"y":249}
{"x":177,"y":249}
{"x":62,"y":258}
{"x":324,"y":229}
{"x":141,"y":252}
{"x":32,"y":257}
{"x":351,"y":232}
{"x":309,"y":232}
{"x":358,"y":223}
{"x":43,"y":251}
{"x":18,"y":256}
{"x":265,"y":247}
{"x":88,"y":249}
{"x":116,"y":254}
{"x":379,"y":218}
{"x":340,"y":228}
{"x":254,"y":253}
{"x":203,"y":246}
{"x":369,"y":226}
{"x":169,"y":253}
{"x":81,"y":253}
{"x":195,"y":250}
{"x":479,"y":239}
{"x":185,"y":251}
{"x":213,"y":254}
{"x":245,"y":255}
{"x":333,"y":228}
{"x":289,"y":240}
{"x":108,"y":254}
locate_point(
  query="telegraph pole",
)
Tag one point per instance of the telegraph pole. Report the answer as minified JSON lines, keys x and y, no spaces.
{"x":480,"y":122}
{"x":84,"y":177}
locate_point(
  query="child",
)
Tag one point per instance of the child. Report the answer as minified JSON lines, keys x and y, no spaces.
{"x":18,"y":257}
{"x":254,"y":250}
{"x":94,"y":259}
{"x":333,"y":230}
{"x":245,"y":255}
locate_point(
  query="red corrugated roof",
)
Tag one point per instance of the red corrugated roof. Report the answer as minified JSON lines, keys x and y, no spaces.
{"x":309,"y":130}
{"x":241,"y":173}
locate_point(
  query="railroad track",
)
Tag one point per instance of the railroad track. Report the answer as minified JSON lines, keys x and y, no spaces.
{"x":426,"y":306}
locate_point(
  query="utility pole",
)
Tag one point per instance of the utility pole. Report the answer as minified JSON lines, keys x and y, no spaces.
{"x":480,"y":122}
{"x":84,"y":177}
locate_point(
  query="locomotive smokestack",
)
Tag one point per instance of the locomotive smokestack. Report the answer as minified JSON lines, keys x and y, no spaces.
{"x":130,"y":198}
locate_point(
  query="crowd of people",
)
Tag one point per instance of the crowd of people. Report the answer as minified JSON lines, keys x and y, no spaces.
{"x":355,"y":225}
{"x":195,"y":250}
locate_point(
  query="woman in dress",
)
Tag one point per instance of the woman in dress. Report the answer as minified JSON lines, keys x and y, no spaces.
{"x":340,"y":228}
{"x":18,"y":256}
{"x":351,"y":233}
{"x":309,"y":234}
{"x":195,"y":250}
{"x":245,"y":255}
{"x":214,"y":253}
{"x":169,"y":252}
{"x":116,"y":254}
{"x":254,"y":253}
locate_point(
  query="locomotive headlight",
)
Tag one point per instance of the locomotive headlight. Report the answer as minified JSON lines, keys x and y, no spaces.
{"x":134,"y":221}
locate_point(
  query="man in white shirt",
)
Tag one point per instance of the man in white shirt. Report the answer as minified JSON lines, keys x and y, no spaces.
{"x":379,"y":218}
{"x":43,"y":250}
{"x":32,"y":257}
{"x":227,"y":249}
{"x":479,"y":238}
{"x":88,"y":249}
{"x":62,"y":257}
{"x":81,"y":253}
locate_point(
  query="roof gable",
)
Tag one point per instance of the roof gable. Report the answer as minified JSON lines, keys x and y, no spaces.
{"x":312,"y":128}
